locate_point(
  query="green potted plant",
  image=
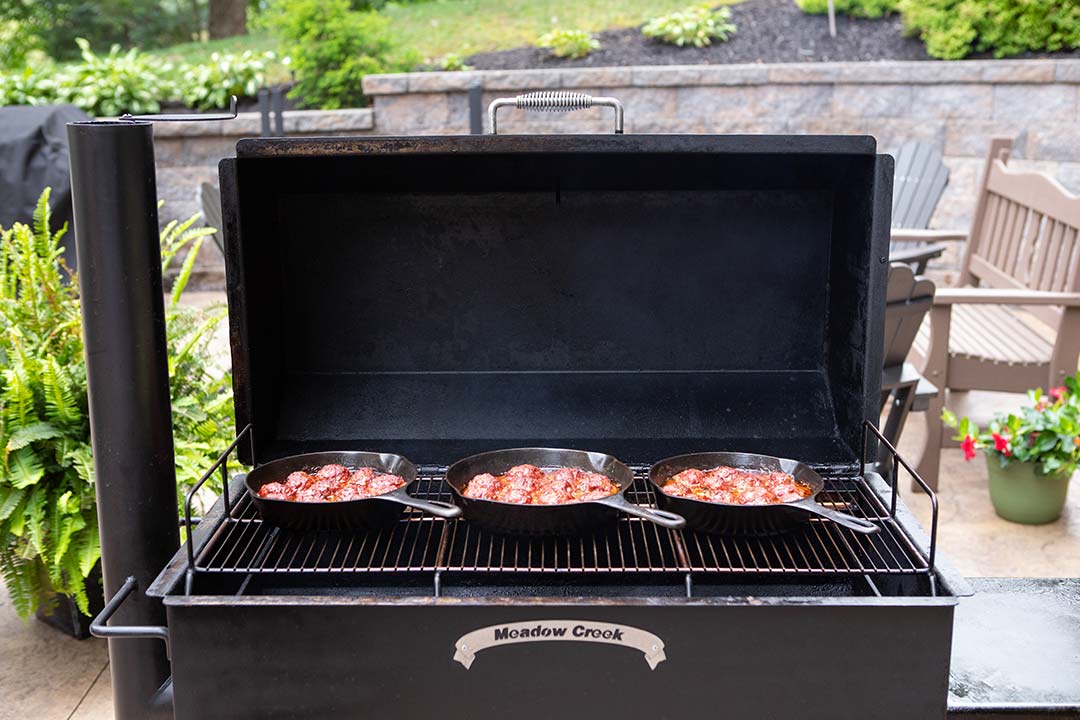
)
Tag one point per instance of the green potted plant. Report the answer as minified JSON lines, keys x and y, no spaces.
{"x":49,"y":548}
{"x":1030,"y":455}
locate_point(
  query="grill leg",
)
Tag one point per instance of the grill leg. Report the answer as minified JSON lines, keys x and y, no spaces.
{"x":114,"y":195}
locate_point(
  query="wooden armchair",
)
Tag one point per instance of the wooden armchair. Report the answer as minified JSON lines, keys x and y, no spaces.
{"x":908,"y":298}
{"x":918,"y":182}
{"x":1021,"y":328}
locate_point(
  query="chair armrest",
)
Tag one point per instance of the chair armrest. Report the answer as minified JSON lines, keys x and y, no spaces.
{"x":914,"y":235}
{"x":996,"y":296}
{"x":922,"y":255}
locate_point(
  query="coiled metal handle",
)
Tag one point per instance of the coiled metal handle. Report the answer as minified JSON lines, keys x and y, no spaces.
{"x":555,"y":101}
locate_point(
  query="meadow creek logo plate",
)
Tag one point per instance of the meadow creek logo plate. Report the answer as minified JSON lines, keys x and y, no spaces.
{"x":468,"y":645}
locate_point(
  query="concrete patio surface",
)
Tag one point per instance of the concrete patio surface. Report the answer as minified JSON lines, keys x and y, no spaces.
{"x":47,"y":676}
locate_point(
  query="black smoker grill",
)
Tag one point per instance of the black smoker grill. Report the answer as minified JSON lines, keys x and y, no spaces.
{"x":639,"y":295}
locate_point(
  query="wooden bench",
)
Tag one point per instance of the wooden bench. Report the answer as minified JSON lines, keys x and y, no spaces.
{"x":1016,"y":323}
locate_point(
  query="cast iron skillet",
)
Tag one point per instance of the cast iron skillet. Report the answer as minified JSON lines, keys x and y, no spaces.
{"x":732,"y":519}
{"x":567,"y":519}
{"x":362,"y":514}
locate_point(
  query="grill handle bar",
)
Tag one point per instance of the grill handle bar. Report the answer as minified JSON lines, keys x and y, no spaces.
{"x":99,"y":627}
{"x":555,"y":101}
{"x":899,"y":462}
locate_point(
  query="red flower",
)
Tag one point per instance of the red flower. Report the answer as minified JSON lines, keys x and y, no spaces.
{"x":968,"y":446}
{"x":1001,"y":445}
{"x":1058,"y":393}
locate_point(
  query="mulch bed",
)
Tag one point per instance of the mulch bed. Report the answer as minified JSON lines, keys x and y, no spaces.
{"x":769,"y":31}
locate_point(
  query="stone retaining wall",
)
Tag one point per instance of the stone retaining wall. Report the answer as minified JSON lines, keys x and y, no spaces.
{"x":957,"y":106}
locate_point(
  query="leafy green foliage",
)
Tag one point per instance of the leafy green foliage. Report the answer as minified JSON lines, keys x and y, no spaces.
{"x":54,"y":24}
{"x":119,"y":82}
{"x":46,"y":506}
{"x":451,"y":62}
{"x":211,"y":84}
{"x":48,"y":522}
{"x":333,"y":47}
{"x":953,"y":29}
{"x":16,"y":45}
{"x":697,"y":25}
{"x":570,"y":44}
{"x":29,"y":86}
{"x":856,"y":8}
{"x":114,"y":83}
{"x":1046,"y":432}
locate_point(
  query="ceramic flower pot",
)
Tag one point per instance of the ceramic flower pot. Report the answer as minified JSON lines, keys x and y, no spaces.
{"x":1022,"y":494}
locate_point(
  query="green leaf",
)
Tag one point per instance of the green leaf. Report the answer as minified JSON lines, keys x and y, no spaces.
{"x":24,"y":468}
{"x":82,"y":461}
{"x":12,"y":497}
{"x":32,"y":433}
{"x":948,"y":417}
{"x":89,"y":548}
{"x":59,"y":399}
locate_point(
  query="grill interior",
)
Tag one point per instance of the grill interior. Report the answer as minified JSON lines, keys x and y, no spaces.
{"x":421,"y":543}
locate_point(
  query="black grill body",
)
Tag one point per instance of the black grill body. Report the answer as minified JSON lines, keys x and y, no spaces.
{"x":643,"y":296}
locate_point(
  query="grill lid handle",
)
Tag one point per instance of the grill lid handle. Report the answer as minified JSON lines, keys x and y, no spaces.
{"x":555,"y":101}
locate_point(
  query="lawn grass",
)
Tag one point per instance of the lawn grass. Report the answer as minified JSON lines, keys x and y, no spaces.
{"x":437,"y":27}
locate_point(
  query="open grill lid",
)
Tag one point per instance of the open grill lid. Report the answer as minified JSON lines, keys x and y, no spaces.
{"x":642,"y":295}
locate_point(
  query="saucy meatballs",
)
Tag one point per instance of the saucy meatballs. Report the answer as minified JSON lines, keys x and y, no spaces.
{"x":736,"y":487}
{"x":529,"y":485}
{"x":332,"y":483}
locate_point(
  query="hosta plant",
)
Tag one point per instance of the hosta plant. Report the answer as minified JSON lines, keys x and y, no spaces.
{"x":210,"y":84}
{"x":1046,"y":433}
{"x":569,"y":44}
{"x":697,"y":25}
{"x":48,"y":522}
{"x":115,"y":83}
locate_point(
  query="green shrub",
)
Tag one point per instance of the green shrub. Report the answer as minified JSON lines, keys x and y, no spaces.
{"x":697,"y":25}
{"x":119,"y":82}
{"x":570,"y":44}
{"x":29,"y":86}
{"x":332,"y":48}
{"x":953,"y":29}
{"x":856,"y":8}
{"x":16,"y":43}
{"x":112,"y":84}
{"x":48,"y":522}
{"x":451,"y":62}
{"x":211,"y":84}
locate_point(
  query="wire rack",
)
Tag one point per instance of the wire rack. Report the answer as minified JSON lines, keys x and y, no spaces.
{"x":422,"y":543}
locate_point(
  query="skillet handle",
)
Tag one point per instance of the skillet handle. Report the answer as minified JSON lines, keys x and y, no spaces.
{"x":435,"y":507}
{"x":851,"y":522}
{"x":663,"y":518}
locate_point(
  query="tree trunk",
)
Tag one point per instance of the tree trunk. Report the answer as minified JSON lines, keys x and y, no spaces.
{"x":227,"y":18}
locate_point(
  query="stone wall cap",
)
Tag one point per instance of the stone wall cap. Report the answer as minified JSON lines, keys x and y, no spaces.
{"x":921,"y":72}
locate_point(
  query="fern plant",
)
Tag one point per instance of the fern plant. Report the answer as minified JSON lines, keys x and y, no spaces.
{"x":48,"y":521}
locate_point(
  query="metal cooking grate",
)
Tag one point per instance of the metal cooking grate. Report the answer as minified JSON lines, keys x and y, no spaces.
{"x":421,"y":543}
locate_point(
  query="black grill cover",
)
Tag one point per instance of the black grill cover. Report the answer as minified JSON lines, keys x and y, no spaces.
{"x":33,"y":156}
{"x":639,"y":295}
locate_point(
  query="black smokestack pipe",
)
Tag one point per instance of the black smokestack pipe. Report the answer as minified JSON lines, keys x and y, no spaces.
{"x":114,"y":194}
